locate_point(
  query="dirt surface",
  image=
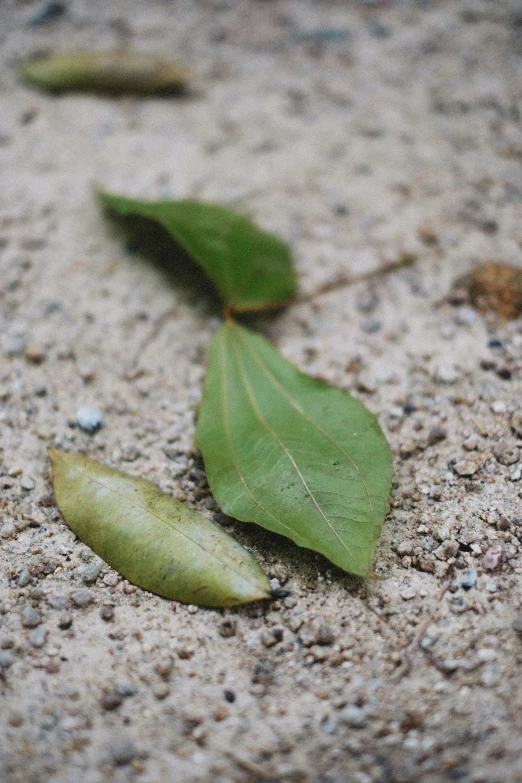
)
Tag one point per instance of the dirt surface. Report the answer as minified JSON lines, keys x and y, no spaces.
{"x":359,"y":131}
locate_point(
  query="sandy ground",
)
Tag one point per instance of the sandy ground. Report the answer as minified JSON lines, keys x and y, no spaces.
{"x":359,"y":131}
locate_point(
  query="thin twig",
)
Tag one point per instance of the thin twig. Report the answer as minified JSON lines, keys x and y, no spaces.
{"x":406,"y":664}
{"x":405,"y":260}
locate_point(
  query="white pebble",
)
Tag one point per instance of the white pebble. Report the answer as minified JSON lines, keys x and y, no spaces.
{"x":446,"y":373}
{"x":89,"y":418}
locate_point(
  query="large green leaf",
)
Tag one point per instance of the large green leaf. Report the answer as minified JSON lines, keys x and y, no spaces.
{"x":291,"y":453}
{"x":251,"y":268}
{"x":153,"y":540}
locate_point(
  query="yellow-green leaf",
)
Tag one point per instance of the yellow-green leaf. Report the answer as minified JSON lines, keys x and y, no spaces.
{"x":104,"y":72}
{"x":152,"y":539}
{"x":291,"y":453}
{"x":251,"y":268}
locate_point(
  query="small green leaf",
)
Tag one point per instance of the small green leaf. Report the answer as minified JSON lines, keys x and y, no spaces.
{"x":104,"y":72}
{"x":291,"y":453}
{"x":251,"y":268}
{"x":151,"y":539}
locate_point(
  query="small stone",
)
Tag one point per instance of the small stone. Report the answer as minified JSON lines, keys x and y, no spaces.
{"x":122,"y":750}
{"x":14,"y":345}
{"x":436,"y":435}
{"x":111,"y":700}
{"x":37,"y":637}
{"x":517,"y":474}
{"x":124,"y":688}
{"x":6,"y":659}
{"x":111,"y":579}
{"x":81,"y":598}
{"x":447,"y":549}
{"x":506,"y":453}
{"x":131,"y":452}
{"x":164,"y":667}
{"x":465,"y":467}
{"x":446,"y":373}
{"x":516,"y":423}
{"x":24,"y":577}
{"x":316,"y":632}
{"x":517,"y":626}
{"x":492,"y":557}
{"x":27,"y":483}
{"x":15,"y":717}
{"x":107,"y":613}
{"x":449,"y":665}
{"x":490,"y":676}
{"x":469,"y":579}
{"x":57,"y":602}
{"x":35,"y":354}
{"x":466,"y":316}
{"x":471,"y":443}
{"x":353,"y":716}
{"x":30,"y":617}
{"x":89,"y":418}
{"x":64,"y":621}
{"x":161,"y":691}
{"x":227,"y":627}
{"x":271,"y":636}
{"x":408,"y":593}
{"x":498,"y":407}
{"x":404,"y":547}
{"x":90,"y":573}
{"x":371,"y":325}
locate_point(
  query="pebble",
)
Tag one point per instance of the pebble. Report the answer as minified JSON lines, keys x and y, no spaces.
{"x":37,"y":637}
{"x":111,"y":700}
{"x":227,"y":627}
{"x":353,"y":716}
{"x":81,"y":598}
{"x":90,"y":573}
{"x":30,"y":617}
{"x":404,"y":547}
{"x":498,"y":407}
{"x":371,"y":325}
{"x":161,"y":691}
{"x":27,"y":483}
{"x":15,"y":717}
{"x":466,"y":316}
{"x":24,"y":577}
{"x":517,"y":626}
{"x":469,"y":579}
{"x":64,"y":621}
{"x":124,"y":688}
{"x":271,"y":636}
{"x":89,"y":418}
{"x":446,"y":373}
{"x":465,"y":467}
{"x":14,"y":345}
{"x":6,"y":659}
{"x":164,"y":667}
{"x":408,"y":593}
{"x":122,"y":750}
{"x":491,"y":559}
{"x":471,"y":443}
{"x":490,"y":676}
{"x":506,"y":453}
{"x":517,"y":474}
{"x":107,"y":613}
{"x":516,"y":423}
{"x":316,"y":632}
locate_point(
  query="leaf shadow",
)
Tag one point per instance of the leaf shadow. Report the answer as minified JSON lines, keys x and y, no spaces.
{"x":147,"y":240}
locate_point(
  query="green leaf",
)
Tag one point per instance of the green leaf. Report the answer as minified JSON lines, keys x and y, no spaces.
{"x":251,"y":268}
{"x":104,"y":72}
{"x":151,"y":539}
{"x":291,"y":453}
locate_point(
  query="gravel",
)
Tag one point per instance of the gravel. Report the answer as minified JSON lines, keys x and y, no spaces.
{"x":30,"y":617}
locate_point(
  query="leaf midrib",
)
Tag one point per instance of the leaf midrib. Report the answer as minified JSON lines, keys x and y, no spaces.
{"x":284,"y":448}
{"x":310,"y":421}
{"x":166,"y":521}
